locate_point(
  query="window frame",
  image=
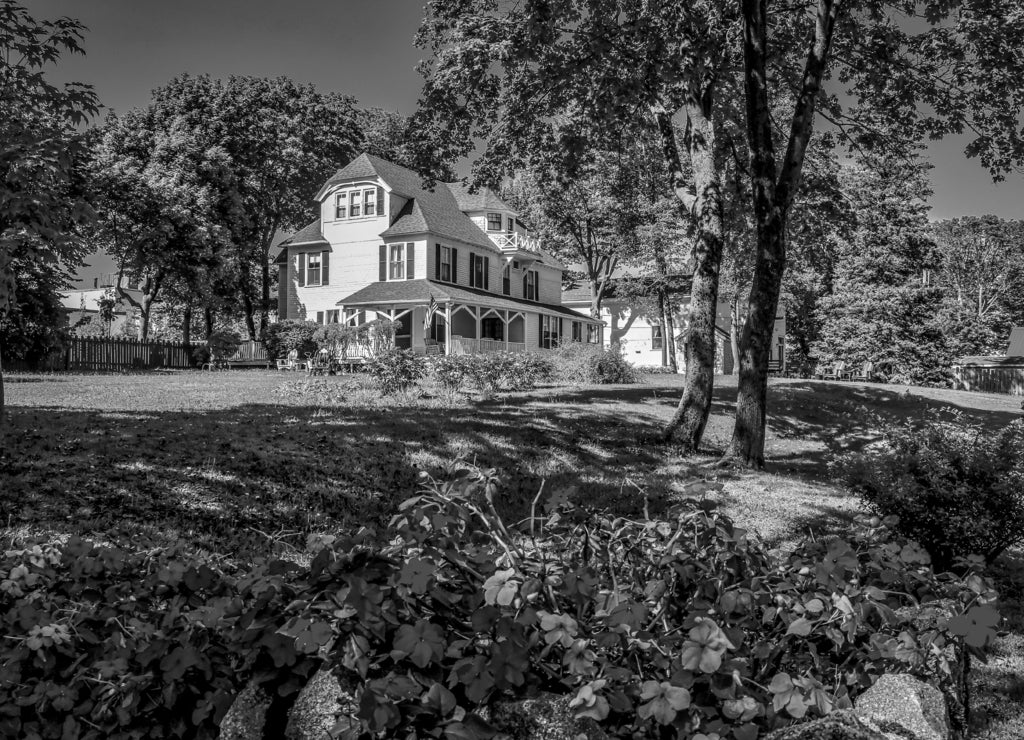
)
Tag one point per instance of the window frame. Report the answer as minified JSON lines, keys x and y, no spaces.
{"x":369,"y":203}
{"x":550,"y":338}
{"x":657,"y":337}
{"x":318,"y":256}
{"x":392,"y":262}
{"x":532,"y":279}
{"x":493,"y":217}
{"x":446,"y":263}
{"x":341,"y":211}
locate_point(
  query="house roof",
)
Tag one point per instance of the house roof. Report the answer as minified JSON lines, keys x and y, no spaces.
{"x":308,"y":234}
{"x":420,"y":291}
{"x":436,"y":211}
{"x":484,"y":199}
{"x":580,"y":292}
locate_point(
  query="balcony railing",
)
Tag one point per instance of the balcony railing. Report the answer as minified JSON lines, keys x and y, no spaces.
{"x":516,"y":241}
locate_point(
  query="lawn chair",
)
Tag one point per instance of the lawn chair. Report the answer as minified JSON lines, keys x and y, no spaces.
{"x":837,"y":371}
{"x":291,"y":362}
{"x":319,"y":363}
{"x":867,"y":371}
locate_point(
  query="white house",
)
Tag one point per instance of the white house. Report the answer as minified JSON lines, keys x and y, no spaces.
{"x":384,"y":246}
{"x":642,"y":337}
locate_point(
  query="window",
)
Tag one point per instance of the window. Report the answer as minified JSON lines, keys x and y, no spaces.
{"x":506,"y":280}
{"x":357,"y":319}
{"x":313,"y":268}
{"x":492,"y":328}
{"x":593,"y":334}
{"x":359,"y":202}
{"x":479,"y":267}
{"x":511,"y":226}
{"x":549,"y":326}
{"x":657,"y":339}
{"x":577,"y":331}
{"x":397,"y":262}
{"x":494,"y":222}
{"x":530,"y":292}
{"x":319,"y":317}
{"x":332,"y":317}
{"x":445,"y":256}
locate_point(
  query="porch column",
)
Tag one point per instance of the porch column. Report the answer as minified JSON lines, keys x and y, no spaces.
{"x":506,"y":330}
{"x":448,"y":328}
{"x":476,"y":312}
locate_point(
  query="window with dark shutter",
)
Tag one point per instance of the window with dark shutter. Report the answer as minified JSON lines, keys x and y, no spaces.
{"x":410,"y":260}
{"x":455,"y":263}
{"x":472,"y":270}
{"x":486,"y":268}
{"x":325,"y":274}
{"x":380,"y":202}
{"x":506,"y":280}
{"x":300,"y":262}
{"x":383,"y":263}
{"x":437,"y":262}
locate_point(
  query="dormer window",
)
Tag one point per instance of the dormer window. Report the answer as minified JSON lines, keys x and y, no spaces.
{"x":494,"y":222}
{"x":361,"y":202}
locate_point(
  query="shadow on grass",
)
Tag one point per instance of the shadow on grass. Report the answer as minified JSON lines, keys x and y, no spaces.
{"x":233,"y":480}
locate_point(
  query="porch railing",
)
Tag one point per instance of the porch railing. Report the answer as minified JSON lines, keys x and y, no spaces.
{"x":468,"y":346}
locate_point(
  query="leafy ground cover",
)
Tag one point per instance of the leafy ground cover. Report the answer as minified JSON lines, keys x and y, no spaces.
{"x":242,"y":462}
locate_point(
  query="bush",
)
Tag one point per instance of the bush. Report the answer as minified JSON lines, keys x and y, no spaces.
{"x":450,"y":373}
{"x":395,"y":370}
{"x":577,"y":363}
{"x":655,"y":628}
{"x":956,"y":488}
{"x":507,"y":371}
{"x":284,"y":336}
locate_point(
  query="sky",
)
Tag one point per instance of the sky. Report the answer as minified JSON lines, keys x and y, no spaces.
{"x":364,"y":49}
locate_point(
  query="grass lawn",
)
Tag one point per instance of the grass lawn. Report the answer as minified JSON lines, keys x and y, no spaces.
{"x":242,"y":463}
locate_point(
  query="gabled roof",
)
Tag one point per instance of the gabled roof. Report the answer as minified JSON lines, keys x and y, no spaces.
{"x":483,"y":199}
{"x":309,"y":234}
{"x":416,"y":292}
{"x":436,"y":211}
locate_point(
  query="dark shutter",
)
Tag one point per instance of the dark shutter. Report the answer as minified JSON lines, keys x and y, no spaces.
{"x":540,"y":330}
{"x":487,"y":273}
{"x":380,"y":201}
{"x":437,"y":262}
{"x":302,"y":268}
{"x":561,"y":328}
{"x":325,"y":268}
{"x":319,"y":317}
{"x":536,"y":287}
{"x":472,"y":270}
{"x":455,"y":263}
{"x":524,"y":285}
{"x":383,"y":262}
{"x":410,"y":261}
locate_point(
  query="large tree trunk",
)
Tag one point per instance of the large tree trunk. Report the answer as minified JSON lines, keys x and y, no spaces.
{"x":734,"y":331}
{"x":691,"y":416}
{"x":249,"y":309}
{"x":773,"y":193}
{"x":208,"y":320}
{"x":265,"y":292}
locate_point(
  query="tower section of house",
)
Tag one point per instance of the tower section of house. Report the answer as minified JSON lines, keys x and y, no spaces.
{"x":458,"y":270}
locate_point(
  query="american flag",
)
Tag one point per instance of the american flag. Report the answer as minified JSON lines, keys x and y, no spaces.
{"x":431,"y":310}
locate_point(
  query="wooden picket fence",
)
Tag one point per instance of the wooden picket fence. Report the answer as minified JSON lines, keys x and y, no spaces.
{"x":105,"y":355}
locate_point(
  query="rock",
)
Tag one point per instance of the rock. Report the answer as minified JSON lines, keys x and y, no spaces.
{"x":547,"y":717}
{"x":954,"y":685}
{"x":902,"y":705}
{"x":840,"y":725}
{"x":318,"y":707}
{"x":244,"y":720}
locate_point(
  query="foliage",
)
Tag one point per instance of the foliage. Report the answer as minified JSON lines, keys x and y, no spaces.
{"x":956,"y":488}
{"x":879,"y":309}
{"x":680,"y":625}
{"x":34,"y":325}
{"x":335,"y":338}
{"x":220,"y":345}
{"x":980,"y":267}
{"x":581,"y":363}
{"x":379,"y":334}
{"x":291,"y":334}
{"x":450,"y":373}
{"x":395,"y":370}
{"x":492,"y":372}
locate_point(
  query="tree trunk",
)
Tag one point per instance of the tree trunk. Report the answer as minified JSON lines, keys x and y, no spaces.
{"x":186,"y":325}
{"x":2,"y":400}
{"x":755,"y":347}
{"x":208,"y":320}
{"x":734,"y":331}
{"x":664,"y":326}
{"x":144,"y":311}
{"x":249,"y":309}
{"x":265,"y":292}
{"x":670,"y":323}
{"x":691,"y":416}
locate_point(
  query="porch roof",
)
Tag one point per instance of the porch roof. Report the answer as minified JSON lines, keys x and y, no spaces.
{"x":418,"y":292}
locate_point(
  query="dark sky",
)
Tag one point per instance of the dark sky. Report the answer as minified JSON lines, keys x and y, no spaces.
{"x":364,"y":49}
